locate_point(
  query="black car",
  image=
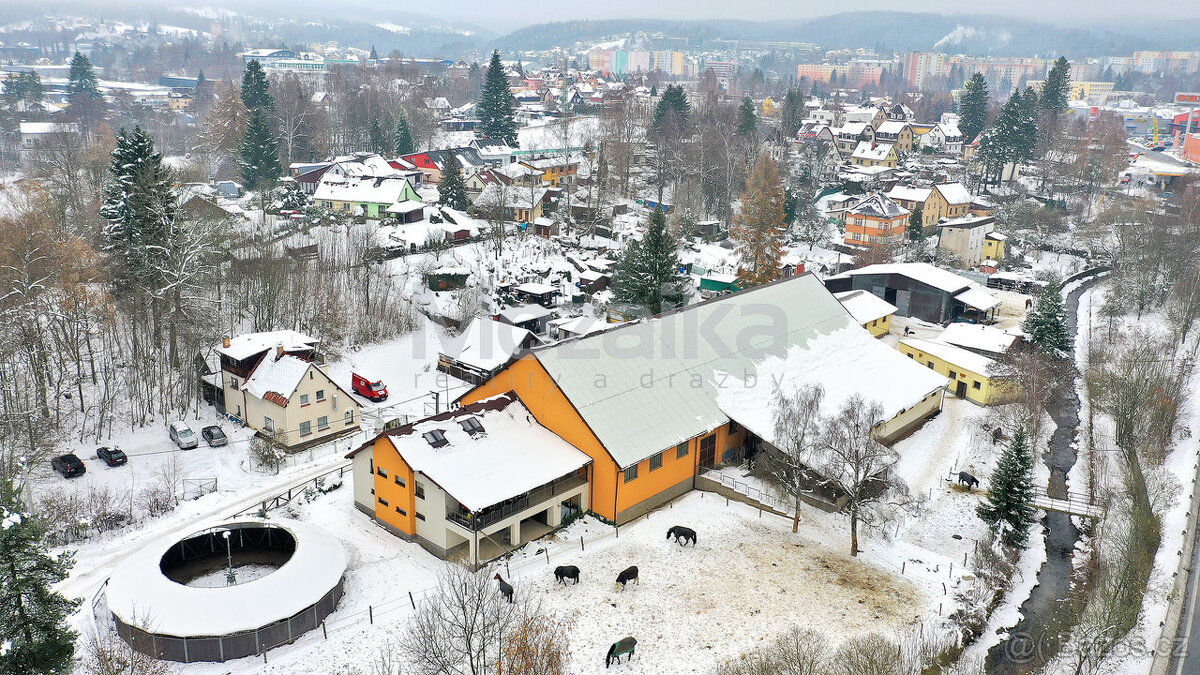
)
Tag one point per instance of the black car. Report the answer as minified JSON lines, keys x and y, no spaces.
{"x":68,"y":465}
{"x":214,"y":436}
{"x":111,"y":456}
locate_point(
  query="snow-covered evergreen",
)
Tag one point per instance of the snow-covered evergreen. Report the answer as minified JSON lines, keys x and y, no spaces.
{"x":1007,"y":510}
{"x":1046,"y":323}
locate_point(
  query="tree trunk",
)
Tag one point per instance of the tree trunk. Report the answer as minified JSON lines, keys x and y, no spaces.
{"x":853,"y":530}
{"x":796,"y":517}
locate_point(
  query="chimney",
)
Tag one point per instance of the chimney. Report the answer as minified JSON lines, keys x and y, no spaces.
{"x":225,"y":343}
{"x":278,"y":349}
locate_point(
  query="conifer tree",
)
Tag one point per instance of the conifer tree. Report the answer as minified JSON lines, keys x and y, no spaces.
{"x":1046,"y":323}
{"x":376,"y":137}
{"x":225,"y":127}
{"x":403,"y":136}
{"x":673,"y":109}
{"x":758,"y":227}
{"x":1056,"y":89}
{"x":34,"y":634}
{"x":452,"y":190}
{"x":374,"y":57}
{"x":747,"y":119}
{"x":647,"y":273}
{"x":495,"y":107}
{"x":1007,"y":140}
{"x":259,"y":156}
{"x":793,"y":111}
{"x":256,"y":92}
{"x":916,"y":225}
{"x":1008,"y":511}
{"x":138,"y":205}
{"x":81,"y":78}
{"x":973,"y":108}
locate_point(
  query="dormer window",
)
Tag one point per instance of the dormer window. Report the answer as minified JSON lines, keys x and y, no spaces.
{"x":435,"y":438}
{"x":471,"y":425}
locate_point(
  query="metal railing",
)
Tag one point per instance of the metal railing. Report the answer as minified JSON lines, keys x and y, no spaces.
{"x":757,"y":494}
{"x":478,"y":521}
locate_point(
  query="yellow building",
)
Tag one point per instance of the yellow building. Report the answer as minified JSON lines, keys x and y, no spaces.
{"x":768,"y":107}
{"x":972,"y":375}
{"x":994,"y":246}
{"x":870,"y":153}
{"x":869,"y":310}
{"x":1082,"y":91}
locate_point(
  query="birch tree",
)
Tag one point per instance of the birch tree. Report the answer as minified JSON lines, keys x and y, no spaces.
{"x":798,"y":435}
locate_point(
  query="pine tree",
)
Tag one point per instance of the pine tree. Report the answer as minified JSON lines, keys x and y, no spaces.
{"x":225,"y":127}
{"x":653,"y":91}
{"x":374,"y":57}
{"x":1027,"y":127}
{"x":138,"y":204}
{"x":647,"y":272}
{"x":672,"y":110}
{"x":452,"y":190}
{"x":747,"y":119}
{"x":1006,"y":140}
{"x":495,"y":108}
{"x":973,"y":108}
{"x":256,"y":92}
{"x":259,"y":154}
{"x":34,"y":634}
{"x":1007,"y":510}
{"x":916,"y":225}
{"x":377,"y":139}
{"x":81,"y":78}
{"x":793,"y":111}
{"x":758,"y":228}
{"x":403,"y":136}
{"x":1046,"y":323}
{"x":1056,"y":90}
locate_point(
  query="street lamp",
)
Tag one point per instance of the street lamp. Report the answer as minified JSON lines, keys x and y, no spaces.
{"x":230,"y":577}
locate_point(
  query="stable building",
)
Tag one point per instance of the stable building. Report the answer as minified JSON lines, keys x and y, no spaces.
{"x":870,"y":311}
{"x":921,"y":291}
{"x":972,"y":376}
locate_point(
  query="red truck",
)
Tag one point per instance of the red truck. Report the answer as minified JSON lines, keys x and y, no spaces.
{"x":376,"y":391}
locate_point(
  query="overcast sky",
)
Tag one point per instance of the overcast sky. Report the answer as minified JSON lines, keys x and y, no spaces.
{"x":506,"y":14}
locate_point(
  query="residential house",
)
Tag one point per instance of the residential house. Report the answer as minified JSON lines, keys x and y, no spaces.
{"x":850,"y":135}
{"x":367,"y":196}
{"x":479,"y":180}
{"x":995,"y":246}
{"x":869,"y":310}
{"x":274,"y":382}
{"x":533,"y":318}
{"x":557,"y":169}
{"x":431,"y":162}
{"x":482,"y":348}
{"x":815,"y":131}
{"x":576,"y":327}
{"x":899,"y":134}
{"x":945,"y":201}
{"x":523,"y":174}
{"x":494,"y":153}
{"x":653,"y":420}
{"x":874,"y":220}
{"x":962,"y":240}
{"x":921,"y":291}
{"x":536,"y":293}
{"x":972,"y":376}
{"x":900,"y":112}
{"x":471,"y":483}
{"x":872,"y":154}
{"x":516,"y":204}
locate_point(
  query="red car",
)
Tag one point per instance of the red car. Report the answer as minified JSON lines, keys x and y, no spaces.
{"x":376,"y":391}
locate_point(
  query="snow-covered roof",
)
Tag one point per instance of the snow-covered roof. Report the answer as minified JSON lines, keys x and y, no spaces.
{"x":872,"y":150}
{"x":280,"y":375}
{"x":406,"y":206}
{"x":878,"y":206}
{"x":978,"y":337}
{"x":910,"y":193}
{"x":141,"y":595}
{"x":245,"y":346}
{"x":367,"y":189}
{"x":997,"y":236}
{"x":513,"y":454}
{"x":535,"y":288}
{"x":955,"y":193}
{"x":978,"y":298}
{"x":662,"y":376}
{"x":845,"y":362}
{"x":922,"y":272}
{"x":363,"y":164}
{"x":956,"y":356}
{"x":523,"y":313}
{"x":865,"y":306}
{"x":891,"y":127}
{"x":852,"y":128}
{"x":486,"y":344}
{"x":36,"y":128}
{"x":968,"y":222}
{"x":581,"y":325}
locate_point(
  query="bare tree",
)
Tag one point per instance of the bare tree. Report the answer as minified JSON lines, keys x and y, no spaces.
{"x":858,"y":467}
{"x":537,"y":645}
{"x":798,"y":435}
{"x":870,"y":654}
{"x":107,"y":654}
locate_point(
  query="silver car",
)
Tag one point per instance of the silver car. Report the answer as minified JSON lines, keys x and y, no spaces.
{"x":183,"y":435}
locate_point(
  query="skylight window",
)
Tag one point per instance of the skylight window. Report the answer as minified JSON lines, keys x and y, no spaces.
{"x":435,"y":438}
{"x":471,"y":425}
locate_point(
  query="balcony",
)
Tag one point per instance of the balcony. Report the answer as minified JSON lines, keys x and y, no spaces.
{"x":535,"y":498}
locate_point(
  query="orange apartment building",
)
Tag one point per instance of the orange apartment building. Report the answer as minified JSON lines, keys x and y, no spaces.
{"x":875,"y":220}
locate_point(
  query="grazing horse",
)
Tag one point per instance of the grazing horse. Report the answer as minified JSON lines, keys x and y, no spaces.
{"x":967,"y":479}
{"x":506,"y":589}
{"x":622,"y":646}
{"x":630,"y":574}
{"x":682,"y":535}
{"x":564,"y":572}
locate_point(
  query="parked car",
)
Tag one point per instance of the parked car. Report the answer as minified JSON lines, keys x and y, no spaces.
{"x":213,"y":435}
{"x":68,"y":465}
{"x":111,"y":456}
{"x":183,"y":435}
{"x":376,"y":391}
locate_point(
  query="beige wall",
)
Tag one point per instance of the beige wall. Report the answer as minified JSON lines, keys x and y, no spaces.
{"x":334,"y":407}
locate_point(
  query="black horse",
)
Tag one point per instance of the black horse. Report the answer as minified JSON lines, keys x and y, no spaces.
{"x":630,"y":574}
{"x":506,"y":589}
{"x":967,"y":479}
{"x":682,"y":535}
{"x":623,"y":646}
{"x":564,"y":572}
